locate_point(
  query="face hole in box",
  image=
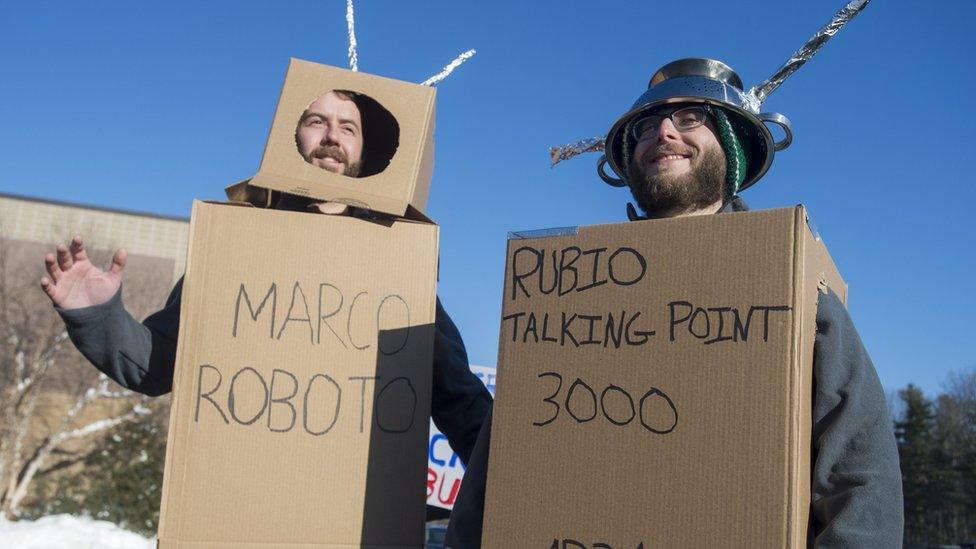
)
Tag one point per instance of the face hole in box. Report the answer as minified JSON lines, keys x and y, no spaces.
{"x":348,"y":133}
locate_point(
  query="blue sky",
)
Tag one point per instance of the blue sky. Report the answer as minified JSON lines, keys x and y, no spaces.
{"x":148,"y":106}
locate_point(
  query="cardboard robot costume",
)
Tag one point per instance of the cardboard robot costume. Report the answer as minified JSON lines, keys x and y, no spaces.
{"x":244,"y":483}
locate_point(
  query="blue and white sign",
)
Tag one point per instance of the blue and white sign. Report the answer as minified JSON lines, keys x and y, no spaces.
{"x":444,"y":467}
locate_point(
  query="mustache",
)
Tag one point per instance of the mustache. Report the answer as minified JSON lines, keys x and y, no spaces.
{"x":329,"y":151}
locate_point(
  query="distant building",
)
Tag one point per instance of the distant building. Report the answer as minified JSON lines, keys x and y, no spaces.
{"x":156,"y":243}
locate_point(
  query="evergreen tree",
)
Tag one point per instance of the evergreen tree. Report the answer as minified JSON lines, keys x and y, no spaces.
{"x":914,"y":435}
{"x":948,"y":455}
{"x":961,"y":417}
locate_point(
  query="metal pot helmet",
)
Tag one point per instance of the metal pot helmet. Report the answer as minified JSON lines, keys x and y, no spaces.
{"x":743,"y":133}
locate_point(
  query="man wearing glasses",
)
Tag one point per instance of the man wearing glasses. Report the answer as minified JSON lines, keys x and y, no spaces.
{"x":687,"y":151}
{"x":678,"y":165}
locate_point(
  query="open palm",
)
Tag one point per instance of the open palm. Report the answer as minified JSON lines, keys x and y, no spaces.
{"x":75,"y":282}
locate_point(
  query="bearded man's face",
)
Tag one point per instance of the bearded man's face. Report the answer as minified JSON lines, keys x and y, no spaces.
{"x":330,"y":135}
{"x":673,"y":172}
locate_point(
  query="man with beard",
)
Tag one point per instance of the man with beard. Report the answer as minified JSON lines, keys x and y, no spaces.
{"x":330,"y":133}
{"x":687,"y":153}
{"x":678,"y":165}
{"x":141,"y":356}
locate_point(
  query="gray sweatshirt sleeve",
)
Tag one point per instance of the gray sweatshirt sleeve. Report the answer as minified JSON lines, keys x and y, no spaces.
{"x":856,"y":484}
{"x":139,"y":356}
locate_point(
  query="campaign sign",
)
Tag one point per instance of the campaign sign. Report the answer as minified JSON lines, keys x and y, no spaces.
{"x":444,"y":467}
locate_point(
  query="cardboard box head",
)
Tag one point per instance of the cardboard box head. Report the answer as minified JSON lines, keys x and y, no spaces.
{"x":351,"y":137}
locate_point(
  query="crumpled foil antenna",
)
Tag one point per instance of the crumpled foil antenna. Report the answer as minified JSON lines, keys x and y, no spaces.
{"x":448,"y":69}
{"x":351,"y":29}
{"x":565,"y":152}
{"x":758,"y":94}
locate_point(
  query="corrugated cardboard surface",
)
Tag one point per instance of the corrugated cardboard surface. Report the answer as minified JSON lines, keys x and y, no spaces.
{"x":302,"y":388}
{"x":694,"y":429}
{"x":404,"y":182}
{"x":819,"y":271}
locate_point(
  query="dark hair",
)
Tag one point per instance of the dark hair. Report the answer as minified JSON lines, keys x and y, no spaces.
{"x":346,"y":94}
{"x":350,"y":95}
{"x":381,"y":133}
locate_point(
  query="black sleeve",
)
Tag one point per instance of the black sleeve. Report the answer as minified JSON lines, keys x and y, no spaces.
{"x":139,"y":356}
{"x":467,"y":518}
{"x":459,"y":400}
{"x":856,"y":484}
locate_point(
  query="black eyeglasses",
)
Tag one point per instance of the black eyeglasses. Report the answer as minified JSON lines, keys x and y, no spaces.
{"x":684,"y":119}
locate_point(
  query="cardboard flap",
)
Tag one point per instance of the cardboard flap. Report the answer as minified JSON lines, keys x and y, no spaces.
{"x":413,"y":214}
{"x":243,"y":192}
{"x":300,"y":187}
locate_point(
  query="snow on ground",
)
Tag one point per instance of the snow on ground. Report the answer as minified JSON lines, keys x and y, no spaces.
{"x":68,"y":532}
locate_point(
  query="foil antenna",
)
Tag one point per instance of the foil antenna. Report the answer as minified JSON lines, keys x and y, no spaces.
{"x":759,"y":93}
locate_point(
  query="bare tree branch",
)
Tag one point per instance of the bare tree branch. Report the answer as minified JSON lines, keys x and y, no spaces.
{"x":34,"y":463}
{"x":47,"y":391}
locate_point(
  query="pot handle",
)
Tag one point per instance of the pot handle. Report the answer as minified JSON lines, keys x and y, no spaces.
{"x":782,"y":122}
{"x":607,"y":178}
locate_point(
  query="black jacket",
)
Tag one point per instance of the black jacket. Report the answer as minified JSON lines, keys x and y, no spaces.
{"x":856,"y":477}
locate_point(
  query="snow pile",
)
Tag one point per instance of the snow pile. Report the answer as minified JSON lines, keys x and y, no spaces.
{"x":68,"y":532}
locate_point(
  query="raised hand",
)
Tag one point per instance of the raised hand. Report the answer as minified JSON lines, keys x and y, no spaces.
{"x":74,"y":282}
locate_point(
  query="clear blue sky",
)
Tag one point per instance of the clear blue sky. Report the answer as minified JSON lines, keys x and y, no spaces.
{"x":148,"y":106}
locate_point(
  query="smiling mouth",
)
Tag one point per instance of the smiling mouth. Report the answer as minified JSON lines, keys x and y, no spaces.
{"x":668,"y":157}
